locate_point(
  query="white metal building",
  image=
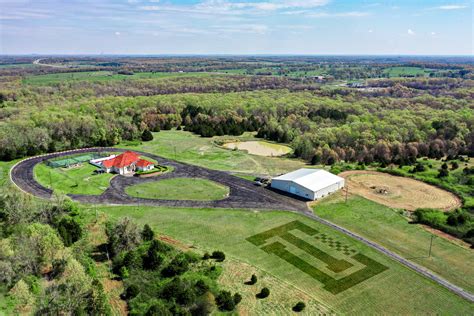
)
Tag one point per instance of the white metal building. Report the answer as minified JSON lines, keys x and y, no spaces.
{"x":311,"y":184}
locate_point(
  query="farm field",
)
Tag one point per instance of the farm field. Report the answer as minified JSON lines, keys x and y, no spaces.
{"x":396,"y":289}
{"x":74,"y":180}
{"x":392,"y":230}
{"x":179,"y":189}
{"x":190,"y":148}
{"x":259,"y":148}
{"x":406,"y":71}
{"x":399,"y":192}
{"x":102,"y":76}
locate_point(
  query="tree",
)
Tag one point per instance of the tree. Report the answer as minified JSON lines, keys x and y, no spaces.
{"x":454,"y":165}
{"x":22,"y":295}
{"x":152,"y":260}
{"x":130,"y":292}
{"x":69,"y":230}
{"x":253,"y":280}
{"x":123,"y":236}
{"x":265,"y":292}
{"x":300,"y":306}
{"x":225,"y":301}
{"x":218,"y":256}
{"x":237,"y":298}
{"x":147,"y":135}
{"x":443,"y":173}
{"x":148,"y":234}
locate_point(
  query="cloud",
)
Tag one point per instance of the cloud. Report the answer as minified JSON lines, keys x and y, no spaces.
{"x":452,"y":7}
{"x":338,"y":14}
{"x":371,"y":31}
{"x":410,"y":32}
{"x":433,"y":33}
{"x":117,"y":33}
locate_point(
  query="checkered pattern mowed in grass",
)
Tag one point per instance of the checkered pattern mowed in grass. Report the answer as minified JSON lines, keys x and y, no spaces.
{"x":331,"y":283}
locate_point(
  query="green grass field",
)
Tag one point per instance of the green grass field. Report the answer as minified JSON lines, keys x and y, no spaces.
{"x":406,"y":71}
{"x":200,"y":151}
{"x":76,"y":180}
{"x":103,"y":76}
{"x":179,"y":189}
{"x":390,"y":229}
{"x":397,"y":289}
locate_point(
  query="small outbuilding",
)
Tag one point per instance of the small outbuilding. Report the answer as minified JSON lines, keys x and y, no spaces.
{"x":311,"y":184}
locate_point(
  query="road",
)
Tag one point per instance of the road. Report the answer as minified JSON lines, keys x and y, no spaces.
{"x":425,"y":272}
{"x":243,"y":194}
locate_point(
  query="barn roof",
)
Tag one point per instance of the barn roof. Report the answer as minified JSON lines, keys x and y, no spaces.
{"x":312,"y":179}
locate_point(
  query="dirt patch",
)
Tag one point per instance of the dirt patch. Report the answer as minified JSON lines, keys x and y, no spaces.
{"x":259,"y":148}
{"x":398,"y":192}
{"x":446,"y":236}
{"x":176,"y":243}
{"x":113,"y":289}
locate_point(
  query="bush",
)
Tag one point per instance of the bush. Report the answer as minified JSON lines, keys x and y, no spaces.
{"x":130,"y":292}
{"x":265,"y":292}
{"x":147,"y":136}
{"x":206,"y":256}
{"x":69,"y":230}
{"x":218,"y":256}
{"x":237,"y":298}
{"x":253,"y":280}
{"x":177,"y":266}
{"x":225,"y":301}
{"x":443,"y":173}
{"x":300,"y":306}
{"x":148,"y":234}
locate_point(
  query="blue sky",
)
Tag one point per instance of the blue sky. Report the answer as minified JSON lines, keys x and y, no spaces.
{"x":236,"y":27}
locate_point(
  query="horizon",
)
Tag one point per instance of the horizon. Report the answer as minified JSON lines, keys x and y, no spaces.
{"x":237,"y":27}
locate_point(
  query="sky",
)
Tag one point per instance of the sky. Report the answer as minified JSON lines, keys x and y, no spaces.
{"x":307,"y":27}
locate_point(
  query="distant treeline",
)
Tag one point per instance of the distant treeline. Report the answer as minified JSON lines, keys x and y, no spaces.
{"x":323,"y":125}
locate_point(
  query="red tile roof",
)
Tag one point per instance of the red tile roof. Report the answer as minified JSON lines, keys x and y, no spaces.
{"x":122,"y":160}
{"x":143,"y":163}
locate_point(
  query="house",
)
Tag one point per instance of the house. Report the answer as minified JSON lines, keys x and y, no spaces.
{"x":126,"y":163}
{"x":311,"y":184}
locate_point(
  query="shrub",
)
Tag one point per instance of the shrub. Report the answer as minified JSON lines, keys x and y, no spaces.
{"x":237,"y":298}
{"x":443,"y":173}
{"x":69,"y":230}
{"x":177,"y":266}
{"x":206,"y":256}
{"x":218,"y":256}
{"x":300,"y":306}
{"x":130,"y":292}
{"x":253,"y":280}
{"x":148,"y":234}
{"x":225,"y":301}
{"x":147,"y":136}
{"x":265,"y":292}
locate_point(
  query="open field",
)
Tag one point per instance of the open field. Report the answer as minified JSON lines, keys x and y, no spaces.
{"x":179,"y":189}
{"x":398,"y":192}
{"x":103,"y":76}
{"x":406,"y":71}
{"x":390,"y":229}
{"x":75,"y":180}
{"x":397,"y":289}
{"x":190,"y":148}
{"x":259,"y":148}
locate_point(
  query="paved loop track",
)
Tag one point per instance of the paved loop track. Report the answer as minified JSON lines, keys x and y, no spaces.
{"x":243,"y":194}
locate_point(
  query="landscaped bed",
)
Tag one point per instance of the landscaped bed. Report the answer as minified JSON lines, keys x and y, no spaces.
{"x":195,"y":189}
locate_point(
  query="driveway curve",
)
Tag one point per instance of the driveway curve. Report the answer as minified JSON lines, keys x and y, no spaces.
{"x":242,"y":193}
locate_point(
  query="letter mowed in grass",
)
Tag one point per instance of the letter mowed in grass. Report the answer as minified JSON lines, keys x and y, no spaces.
{"x":331,"y":284}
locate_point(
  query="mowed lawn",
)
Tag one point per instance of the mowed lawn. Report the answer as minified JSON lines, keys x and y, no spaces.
{"x":75,"y":180}
{"x":397,"y":290}
{"x":387,"y":227}
{"x":187,"y":147}
{"x":179,"y":189}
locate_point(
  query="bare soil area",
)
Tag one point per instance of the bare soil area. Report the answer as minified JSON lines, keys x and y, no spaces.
{"x":398,"y":192}
{"x":259,"y":148}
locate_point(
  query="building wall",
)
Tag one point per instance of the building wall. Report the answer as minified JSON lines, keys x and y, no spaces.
{"x":294,"y":188}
